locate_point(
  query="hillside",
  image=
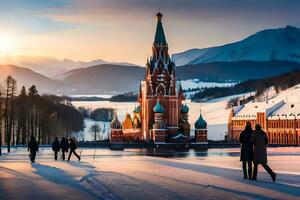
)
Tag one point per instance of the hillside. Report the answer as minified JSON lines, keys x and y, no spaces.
{"x":51,"y":67}
{"x":259,"y":86}
{"x":28,"y":77}
{"x":236,"y":71}
{"x":266,"y":45}
{"x":104,"y":79}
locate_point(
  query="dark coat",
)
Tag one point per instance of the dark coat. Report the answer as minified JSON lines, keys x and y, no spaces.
{"x":247,"y":147}
{"x":72,"y":145}
{"x":55,"y":145}
{"x":259,"y":140}
{"x":33,"y":146}
{"x":64,"y":145}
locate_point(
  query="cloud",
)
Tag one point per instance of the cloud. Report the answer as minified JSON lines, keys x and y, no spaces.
{"x":31,"y":16}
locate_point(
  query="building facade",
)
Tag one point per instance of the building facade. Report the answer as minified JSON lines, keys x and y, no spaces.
{"x":281,"y":121}
{"x":161,"y":115}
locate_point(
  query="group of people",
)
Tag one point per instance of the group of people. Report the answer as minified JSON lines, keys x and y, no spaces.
{"x":254,"y":150}
{"x":64,"y":145}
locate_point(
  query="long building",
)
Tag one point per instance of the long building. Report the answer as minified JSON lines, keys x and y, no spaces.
{"x":162,"y":115}
{"x":280,"y":120}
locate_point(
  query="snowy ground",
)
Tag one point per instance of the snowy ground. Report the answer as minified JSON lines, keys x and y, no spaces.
{"x":214,"y":112}
{"x":131,"y":174}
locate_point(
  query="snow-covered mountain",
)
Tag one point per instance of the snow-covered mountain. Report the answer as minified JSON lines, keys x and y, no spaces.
{"x":51,"y":67}
{"x":266,"y":45}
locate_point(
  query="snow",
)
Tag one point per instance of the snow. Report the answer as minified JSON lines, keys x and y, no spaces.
{"x":213,"y":111}
{"x":107,"y":96}
{"x":121,"y":107}
{"x":250,"y":110}
{"x":266,"y":45}
{"x":284,"y":105}
{"x":196,"y":83}
{"x":132,"y":174}
{"x":291,"y":95}
{"x":287,"y":111}
{"x":199,"y":85}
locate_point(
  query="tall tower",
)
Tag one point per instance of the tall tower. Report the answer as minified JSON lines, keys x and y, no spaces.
{"x":160,"y":86}
{"x":160,"y":73}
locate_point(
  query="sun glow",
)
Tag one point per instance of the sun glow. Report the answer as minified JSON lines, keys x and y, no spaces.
{"x":7,"y":44}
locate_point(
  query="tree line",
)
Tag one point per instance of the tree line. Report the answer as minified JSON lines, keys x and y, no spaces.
{"x":259,"y":86}
{"x":30,"y":114}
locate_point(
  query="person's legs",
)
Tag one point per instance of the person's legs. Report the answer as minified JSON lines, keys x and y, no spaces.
{"x":270,"y":171}
{"x":70,"y":155}
{"x":76,"y":155}
{"x":63,"y":154}
{"x":55,"y":155}
{"x":249,"y":169}
{"x":255,"y":171}
{"x":244,"y":169}
{"x":33,"y":153}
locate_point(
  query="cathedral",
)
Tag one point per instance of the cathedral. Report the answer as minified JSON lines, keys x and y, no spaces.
{"x":161,"y":115}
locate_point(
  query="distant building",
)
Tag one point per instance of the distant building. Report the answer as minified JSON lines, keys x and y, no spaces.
{"x":161,"y":116}
{"x":281,"y":121}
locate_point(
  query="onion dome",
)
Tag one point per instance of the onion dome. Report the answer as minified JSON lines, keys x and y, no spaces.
{"x":200,"y":123}
{"x":184,"y":109}
{"x":115,"y":123}
{"x":127,"y":123}
{"x":158,"y":108}
{"x":137,"y":109}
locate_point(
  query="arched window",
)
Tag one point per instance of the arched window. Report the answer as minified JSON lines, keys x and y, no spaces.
{"x":161,"y":89}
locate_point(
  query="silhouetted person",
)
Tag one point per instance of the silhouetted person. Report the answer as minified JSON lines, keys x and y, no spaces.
{"x":246,"y":150}
{"x":55,"y":147}
{"x":260,"y":140}
{"x":73,"y":147}
{"x":64,"y":145}
{"x":33,"y":147}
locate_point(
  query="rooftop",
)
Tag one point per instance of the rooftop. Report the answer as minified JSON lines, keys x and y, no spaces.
{"x":286,"y":111}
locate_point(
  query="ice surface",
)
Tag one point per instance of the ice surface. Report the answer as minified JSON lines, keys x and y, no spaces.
{"x":131,"y":174}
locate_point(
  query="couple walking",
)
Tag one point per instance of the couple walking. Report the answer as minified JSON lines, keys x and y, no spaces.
{"x":254,"y":149}
{"x":64,"y":145}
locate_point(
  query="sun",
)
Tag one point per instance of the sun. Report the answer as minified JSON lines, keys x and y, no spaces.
{"x":7,"y":44}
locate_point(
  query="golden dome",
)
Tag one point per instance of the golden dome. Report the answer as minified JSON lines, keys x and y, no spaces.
{"x":127,"y":123}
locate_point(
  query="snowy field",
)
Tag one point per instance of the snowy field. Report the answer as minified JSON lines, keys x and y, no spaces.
{"x":131,"y":174}
{"x":213,"y":111}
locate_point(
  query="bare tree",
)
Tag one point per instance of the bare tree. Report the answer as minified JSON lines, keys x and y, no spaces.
{"x":0,"y":121}
{"x":95,"y":129}
{"x":9,"y":109}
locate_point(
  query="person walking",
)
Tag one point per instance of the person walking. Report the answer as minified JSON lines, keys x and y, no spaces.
{"x":73,"y":147}
{"x":64,"y":145}
{"x":55,"y":147}
{"x":260,"y":140}
{"x":246,"y":150}
{"x":33,"y":147}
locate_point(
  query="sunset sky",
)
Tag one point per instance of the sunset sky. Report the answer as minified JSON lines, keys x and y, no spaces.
{"x":123,"y":30}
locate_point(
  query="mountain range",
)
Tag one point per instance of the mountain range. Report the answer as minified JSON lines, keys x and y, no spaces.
{"x":266,"y":53}
{"x":52,"y":67}
{"x":266,"y":45}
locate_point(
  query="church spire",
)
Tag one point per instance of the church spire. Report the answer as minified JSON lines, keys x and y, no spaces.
{"x":160,"y":38}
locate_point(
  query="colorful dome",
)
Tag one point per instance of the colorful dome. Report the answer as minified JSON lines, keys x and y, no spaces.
{"x":184,"y":109}
{"x":127,"y":123}
{"x":137,"y":109}
{"x":115,"y":123}
{"x":200,"y":123}
{"x":158,"y":108}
